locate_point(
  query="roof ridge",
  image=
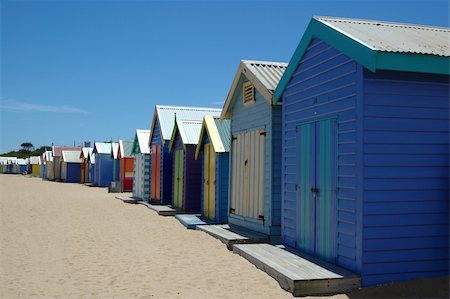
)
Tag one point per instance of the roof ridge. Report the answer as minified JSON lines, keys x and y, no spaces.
{"x":382,"y":23}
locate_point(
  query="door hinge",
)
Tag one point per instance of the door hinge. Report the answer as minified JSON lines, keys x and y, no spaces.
{"x":261,"y":217}
{"x":262,"y":133}
{"x":232,"y":211}
{"x":234,"y":138}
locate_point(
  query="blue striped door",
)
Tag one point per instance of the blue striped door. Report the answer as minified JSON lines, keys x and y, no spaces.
{"x":316,"y":189}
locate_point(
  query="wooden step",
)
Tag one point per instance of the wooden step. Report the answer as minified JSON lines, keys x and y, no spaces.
{"x":300,"y":275}
{"x":190,"y":220}
{"x":230,"y":235}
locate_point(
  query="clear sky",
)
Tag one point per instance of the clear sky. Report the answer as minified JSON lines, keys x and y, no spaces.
{"x":94,"y":70}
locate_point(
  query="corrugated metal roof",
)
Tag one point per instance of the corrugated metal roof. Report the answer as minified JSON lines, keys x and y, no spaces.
{"x":224,"y":128}
{"x":48,"y":156}
{"x":125,"y":148}
{"x":219,"y":133}
{"x":143,"y":137}
{"x":393,"y":37}
{"x":115,"y":149}
{"x":71,"y":156}
{"x":57,"y":150}
{"x":189,"y":130}
{"x":102,"y":147}
{"x":86,"y":151}
{"x":91,"y":158}
{"x":267,"y":72}
{"x":34,"y":160}
{"x":166,"y":116}
{"x":22,"y":161}
{"x":264,"y":75}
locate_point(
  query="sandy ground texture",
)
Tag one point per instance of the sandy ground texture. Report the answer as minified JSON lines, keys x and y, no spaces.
{"x":72,"y":241}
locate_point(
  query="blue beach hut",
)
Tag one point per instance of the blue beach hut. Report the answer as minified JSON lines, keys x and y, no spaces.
{"x":213,"y":151}
{"x":103,"y":167}
{"x":365,"y":157}
{"x":161,"y":168}
{"x":255,"y":154}
{"x":71,"y":167}
{"x":91,"y":167}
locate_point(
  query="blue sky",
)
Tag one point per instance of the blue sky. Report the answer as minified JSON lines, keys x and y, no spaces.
{"x":94,"y":70}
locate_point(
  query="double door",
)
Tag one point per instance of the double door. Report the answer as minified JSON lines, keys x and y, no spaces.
{"x":316,"y":188}
{"x":247,"y":176}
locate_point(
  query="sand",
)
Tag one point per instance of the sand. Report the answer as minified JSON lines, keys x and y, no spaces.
{"x":72,"y":241}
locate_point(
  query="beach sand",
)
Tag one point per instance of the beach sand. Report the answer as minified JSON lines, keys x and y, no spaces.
{"x":72,"y":241}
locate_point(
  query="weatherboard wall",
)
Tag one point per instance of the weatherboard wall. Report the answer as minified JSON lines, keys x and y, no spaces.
{"x":406,"y":176}
{"x":324,"y":85}
{"x":103,"y":169}
{"x":192,"y":175}
{"x":166,"y":169}
{"x":266,"y":119}
{"x":221,"y":184}
{"x":71,"y":172}
{"x":392,"y":163}
{"x":141,"y":177}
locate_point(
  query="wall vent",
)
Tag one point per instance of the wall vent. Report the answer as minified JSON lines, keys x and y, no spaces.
{"x":248,"y":93}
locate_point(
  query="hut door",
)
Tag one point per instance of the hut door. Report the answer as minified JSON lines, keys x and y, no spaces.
{"x":178,"y":179}
{"x":316,"y":188}
{"x":156,"y":172}
{"x":248,"y":174}
{"x":209,"y":183}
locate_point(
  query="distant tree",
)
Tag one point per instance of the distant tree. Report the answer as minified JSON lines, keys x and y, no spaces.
{"x":27,"y":146}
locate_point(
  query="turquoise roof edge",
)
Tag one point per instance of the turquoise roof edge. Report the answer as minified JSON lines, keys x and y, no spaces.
{"x":370,"y":59}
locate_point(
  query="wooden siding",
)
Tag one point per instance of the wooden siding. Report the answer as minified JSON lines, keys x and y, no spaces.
{"x":103,"y":170}
{"x":221,"y":184}
{"x":406,"y":176}
{"x":166,"y":176}
{"x":72,"y":172}
{"x":249,"y":117}
{"x":222,"y":169}
{"x":323,"y":85}
{"x":141,"y":177}
{"x":50,"y":171}
{"x":126,"y":174}
{"x":192,"y":180}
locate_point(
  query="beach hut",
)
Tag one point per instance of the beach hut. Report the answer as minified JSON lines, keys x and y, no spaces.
{"x":71,"y":167}
{"x":103,"y":166}
{"x":3,"y":164}
{"x":35,"y":163}
{"x":187,"y":171}
{"x":213,"y":151}
{"x":141,"y":169}
{"x":91,"y":167}
{"x":115,"y":182}
{"x":42,"y":166}
{"x":161,"y":167}
{"x":49,"y":168}
{"x":57,"y":159}
{"x":365,"y":158}
{"x":255,"y":154}
{"x":84,"y":156}
{"x":126,"y":167}
{"x":21,"y":166}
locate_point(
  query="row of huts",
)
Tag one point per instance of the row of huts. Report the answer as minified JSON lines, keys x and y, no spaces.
{"x":342,"y":153}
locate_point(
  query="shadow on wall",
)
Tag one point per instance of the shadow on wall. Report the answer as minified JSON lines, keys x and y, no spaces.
{"x":420,"y":288}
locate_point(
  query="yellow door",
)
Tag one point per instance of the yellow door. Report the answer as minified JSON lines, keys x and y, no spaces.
{"x":209,"y":182}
